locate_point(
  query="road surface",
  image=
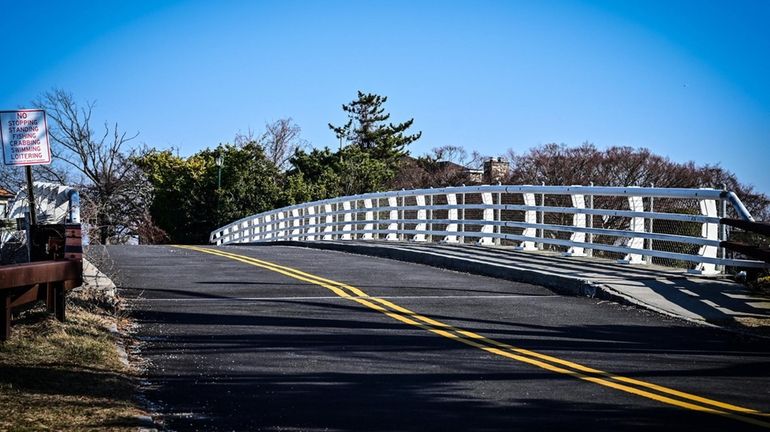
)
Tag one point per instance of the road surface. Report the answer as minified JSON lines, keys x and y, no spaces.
{"x":283,"y":338}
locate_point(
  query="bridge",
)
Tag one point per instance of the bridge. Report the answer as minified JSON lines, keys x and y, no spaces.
{"x":539,"y":307}
{"x":470,"y":308}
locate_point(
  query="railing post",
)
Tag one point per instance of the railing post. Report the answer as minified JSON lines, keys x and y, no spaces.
{"x":590,"y":222}
{"x":648,"y":258}
{"x":336,"y":220}
{"x":377,"y":221}
{"x":401,"y":234}
{"x":430,"y":219}
{"x":541,"y":214}
{"x":302,"y":225}
{"x":722,"y":228}
{"x":498,"y":217}
{"x":462,"y":219}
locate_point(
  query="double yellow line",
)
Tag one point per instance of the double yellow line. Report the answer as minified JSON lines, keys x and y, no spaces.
{"x":554,"y":364}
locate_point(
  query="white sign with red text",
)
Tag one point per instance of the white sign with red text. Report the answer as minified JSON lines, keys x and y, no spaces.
{"x":24,"y":135}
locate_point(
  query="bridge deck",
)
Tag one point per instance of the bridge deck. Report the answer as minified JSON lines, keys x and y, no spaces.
{"x":671,"y":291}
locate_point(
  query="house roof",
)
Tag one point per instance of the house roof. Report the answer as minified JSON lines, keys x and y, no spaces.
{"x":6,"y":194}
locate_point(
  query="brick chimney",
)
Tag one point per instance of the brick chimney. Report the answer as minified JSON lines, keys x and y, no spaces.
{"x":495,"y":170}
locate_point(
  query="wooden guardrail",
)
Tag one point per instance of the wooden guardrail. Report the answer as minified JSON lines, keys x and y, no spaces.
{"x":28,"y":283}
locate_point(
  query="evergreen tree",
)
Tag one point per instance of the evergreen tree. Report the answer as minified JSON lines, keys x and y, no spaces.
{"x":367,"y":128}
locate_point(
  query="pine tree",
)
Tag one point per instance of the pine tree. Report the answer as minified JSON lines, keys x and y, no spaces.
{"x":367,"y":128}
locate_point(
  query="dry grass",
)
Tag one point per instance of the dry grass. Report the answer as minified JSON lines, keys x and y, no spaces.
{"x":64,"y":376}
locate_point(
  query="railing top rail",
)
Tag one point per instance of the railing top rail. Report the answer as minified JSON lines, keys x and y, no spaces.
{"x":682,"y":193}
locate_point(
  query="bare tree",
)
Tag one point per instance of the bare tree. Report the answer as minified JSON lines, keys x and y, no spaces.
{"x":281,"y":140}
{"x":114,"y":191}
{"x":450,"y":153}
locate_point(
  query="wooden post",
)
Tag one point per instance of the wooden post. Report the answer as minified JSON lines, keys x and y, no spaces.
{"x":5,"y":316}
{"x":60,"y":300}
{"x":50,"y":297}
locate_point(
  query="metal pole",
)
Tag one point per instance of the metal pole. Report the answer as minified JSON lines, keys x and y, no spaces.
{"x":541,"y":245}
{"x":30,"y":196}
{"x":722,"y":228}
{"x":401,"y":234}
{"x":590,"y":222}
{"x":648,"y":258}
{"x":462,"y":218}
{"x":499,"y":216}
{"x":430,"y":217}
{"x":32,"y":211}
{"x":376,"y":225}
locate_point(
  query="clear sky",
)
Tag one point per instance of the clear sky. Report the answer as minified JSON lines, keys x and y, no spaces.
{"x":687,"y":79}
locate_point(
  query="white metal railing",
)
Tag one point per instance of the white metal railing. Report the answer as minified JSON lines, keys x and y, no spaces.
{"x":633,"y":224}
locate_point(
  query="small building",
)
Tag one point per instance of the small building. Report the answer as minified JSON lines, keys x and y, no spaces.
{"x":495,"y":170}
{"x":475,"y":175}
{"x":5,"y":197}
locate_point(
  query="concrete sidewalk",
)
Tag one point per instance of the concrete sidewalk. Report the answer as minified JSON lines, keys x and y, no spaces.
{"x":673,"y":292}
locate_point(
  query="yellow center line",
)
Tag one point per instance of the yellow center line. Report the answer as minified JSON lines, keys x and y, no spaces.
{"x":543,"y":361}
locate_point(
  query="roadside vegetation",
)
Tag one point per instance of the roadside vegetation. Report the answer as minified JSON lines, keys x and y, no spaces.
{"x":66,"y":375}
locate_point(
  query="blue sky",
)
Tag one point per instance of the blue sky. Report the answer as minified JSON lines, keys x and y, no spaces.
{"x":687,"y":79}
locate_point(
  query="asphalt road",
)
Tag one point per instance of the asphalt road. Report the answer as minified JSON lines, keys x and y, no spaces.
{"x":237,"y":344}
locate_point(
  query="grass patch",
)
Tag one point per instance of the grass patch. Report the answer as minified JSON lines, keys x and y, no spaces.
{"x":64,"y":376}
{"x":762,"y":284}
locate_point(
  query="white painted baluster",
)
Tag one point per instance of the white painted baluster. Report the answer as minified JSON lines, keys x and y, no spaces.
{"x":636,"y":204}
{"x":421,"y":217}
{"x":451,"y":200}
{"x":328,"y":221}
{"x":530,"y":216}
{"x":709,"y":231}
{"x":488,"y":215}
{"x":578,"y":220}
{"x":347,"y":218}
{"x":392,"y":226}
{"x":369,"y":218}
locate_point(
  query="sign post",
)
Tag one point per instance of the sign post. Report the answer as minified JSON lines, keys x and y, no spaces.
{"x":24,"y":136}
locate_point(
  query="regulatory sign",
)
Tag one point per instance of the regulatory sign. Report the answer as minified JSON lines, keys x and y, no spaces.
{"x":24,"y":134}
